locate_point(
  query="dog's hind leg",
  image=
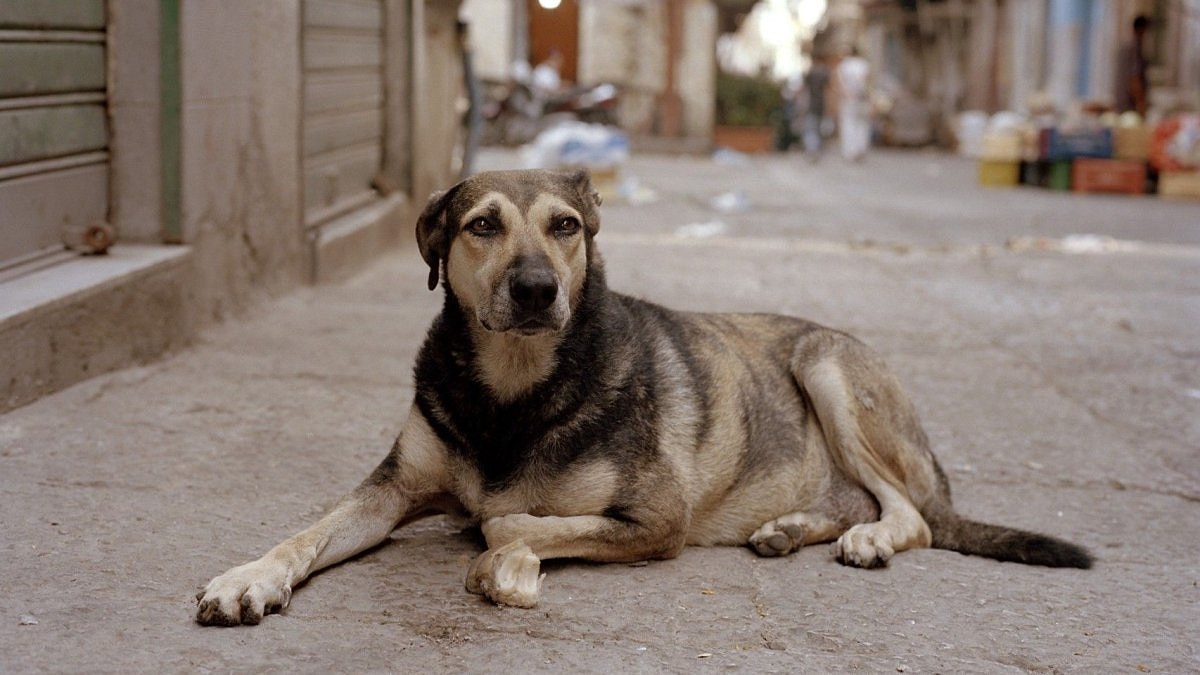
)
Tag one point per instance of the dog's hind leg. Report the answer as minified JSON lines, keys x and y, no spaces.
{"x":873,"y":436}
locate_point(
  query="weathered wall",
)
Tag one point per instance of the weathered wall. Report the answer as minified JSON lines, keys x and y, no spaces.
{"x":134,"y":98}
{"x":438,"y":80}
{"x":491,"y":27}
{"x":240,"y":149}
{"x":696,"y":68}
{"x":625,"y":43}
{"x":240,"y":207}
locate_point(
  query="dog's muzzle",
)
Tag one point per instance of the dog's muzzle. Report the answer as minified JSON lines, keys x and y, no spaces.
{"x":532,"y":294}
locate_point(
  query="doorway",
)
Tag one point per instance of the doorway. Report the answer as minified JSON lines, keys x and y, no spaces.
{"x":551,"y":29}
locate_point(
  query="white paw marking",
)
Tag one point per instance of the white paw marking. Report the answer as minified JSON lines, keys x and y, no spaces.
{"x":244,"y":594}
{"x":865,"y":545}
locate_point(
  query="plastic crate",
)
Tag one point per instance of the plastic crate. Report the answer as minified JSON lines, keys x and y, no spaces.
{"x":1035,"y":174}
{"x":999,"y":174}
{"x":1059,"y":145}
{"x":1060,"y":175}
{"x":1123,"y":176}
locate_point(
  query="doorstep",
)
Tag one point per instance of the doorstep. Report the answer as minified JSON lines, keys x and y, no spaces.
{"x":90,"y":315}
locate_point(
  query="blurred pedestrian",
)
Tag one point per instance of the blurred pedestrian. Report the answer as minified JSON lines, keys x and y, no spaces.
{"x":816,"y":82}
{"x":546,"y":78}
{"x":783,"y":119}
{"x":854,"y":118}
{"x":1133,"y":89}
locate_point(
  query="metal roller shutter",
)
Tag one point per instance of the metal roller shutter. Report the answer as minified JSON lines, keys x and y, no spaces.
{"x":53,"y":123}
{"x":343,"y":105}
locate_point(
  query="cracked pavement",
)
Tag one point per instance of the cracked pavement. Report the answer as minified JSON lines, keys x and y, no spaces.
{"x":1060,"y":390}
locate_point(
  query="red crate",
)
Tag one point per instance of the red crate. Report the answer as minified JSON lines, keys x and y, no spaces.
{"x":1109,"y":175}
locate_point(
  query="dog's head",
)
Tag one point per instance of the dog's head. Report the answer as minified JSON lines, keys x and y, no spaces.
{"x":515,"y":246}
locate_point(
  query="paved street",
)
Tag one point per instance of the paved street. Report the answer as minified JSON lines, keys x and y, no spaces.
{"x":1058,"y":377}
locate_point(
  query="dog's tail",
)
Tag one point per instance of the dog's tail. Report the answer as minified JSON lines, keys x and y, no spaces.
{"x":955,"y":533}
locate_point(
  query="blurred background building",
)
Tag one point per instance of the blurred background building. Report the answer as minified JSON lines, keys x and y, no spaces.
{"x":931,"y":59}
{"x":945,"y":56}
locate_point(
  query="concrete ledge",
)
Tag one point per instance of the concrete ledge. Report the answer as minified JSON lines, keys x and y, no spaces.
{"x":346,"y":244}
{"x":90,"y":315}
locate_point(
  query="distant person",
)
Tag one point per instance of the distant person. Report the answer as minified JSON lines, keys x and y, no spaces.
{"x":816,"y":82}
{"x":1133,"y":88}
{"x":547,"y":75}
{"x":854,"y":119}
{"x":784,"y":118}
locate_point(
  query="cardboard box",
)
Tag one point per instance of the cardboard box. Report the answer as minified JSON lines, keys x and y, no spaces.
{"x":1122,"y":176}
{"x":1184,"y":184}
{"x":999,"y":174}
{"x":1132,"y":142}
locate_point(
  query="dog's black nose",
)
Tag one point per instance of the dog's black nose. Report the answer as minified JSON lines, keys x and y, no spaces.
{"x":533,"y":288}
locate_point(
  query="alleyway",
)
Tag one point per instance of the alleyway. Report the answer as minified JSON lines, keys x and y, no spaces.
{"x":1058,"y":377}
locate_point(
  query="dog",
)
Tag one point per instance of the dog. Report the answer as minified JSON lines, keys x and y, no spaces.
{"x":571,"y":421}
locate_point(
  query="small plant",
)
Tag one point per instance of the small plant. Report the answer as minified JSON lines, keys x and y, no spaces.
{"x":745,"y":101}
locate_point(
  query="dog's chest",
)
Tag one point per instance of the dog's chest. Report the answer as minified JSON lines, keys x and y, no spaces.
{"x":584,"y":488}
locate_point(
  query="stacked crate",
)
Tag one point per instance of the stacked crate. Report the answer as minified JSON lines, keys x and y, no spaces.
{"x":1000,"y":159}
{"x":1131,"y":160}
{"x":1123,"y":171}
{"x":1071,"y":155}
{"x":1048,"y":156}
{"x":1178,"y":175}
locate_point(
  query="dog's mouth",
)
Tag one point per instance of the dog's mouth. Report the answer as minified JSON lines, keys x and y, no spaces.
{"x":528,"y":327}
{"x":534,"y":326}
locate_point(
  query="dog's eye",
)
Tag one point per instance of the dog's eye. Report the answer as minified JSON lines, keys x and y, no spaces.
{"x":566,"y":226}
{"x":481,"y":227}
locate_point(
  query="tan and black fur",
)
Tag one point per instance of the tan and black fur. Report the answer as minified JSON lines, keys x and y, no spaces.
{"x":572,"y":421}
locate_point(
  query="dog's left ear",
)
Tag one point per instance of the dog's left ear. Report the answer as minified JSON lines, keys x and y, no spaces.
{"x":433,"y":238}
{"x":582,"y":180}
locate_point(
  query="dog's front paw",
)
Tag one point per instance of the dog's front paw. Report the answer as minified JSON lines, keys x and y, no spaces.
{"x":244,"y":594}
{"x":508,"y":575}
{"x":866,"y":545}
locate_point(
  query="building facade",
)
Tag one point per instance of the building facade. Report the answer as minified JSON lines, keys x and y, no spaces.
{"x":991,"y":55}
{"x":661,"y":53}
{"x":229,"y":151}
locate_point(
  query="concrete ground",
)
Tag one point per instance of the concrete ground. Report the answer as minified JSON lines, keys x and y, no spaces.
{"x":1058,"y":377}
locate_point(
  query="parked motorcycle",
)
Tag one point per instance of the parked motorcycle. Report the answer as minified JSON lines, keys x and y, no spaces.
{"x":514,"y":113}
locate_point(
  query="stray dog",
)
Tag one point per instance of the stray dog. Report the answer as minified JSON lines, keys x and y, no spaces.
{"x":574,"y":422}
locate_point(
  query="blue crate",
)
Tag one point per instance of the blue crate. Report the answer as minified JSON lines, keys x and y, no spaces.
{"x":1061,"y":145}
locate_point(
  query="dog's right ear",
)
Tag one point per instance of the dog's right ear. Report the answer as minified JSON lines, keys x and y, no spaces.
{"x":433,"y":236}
